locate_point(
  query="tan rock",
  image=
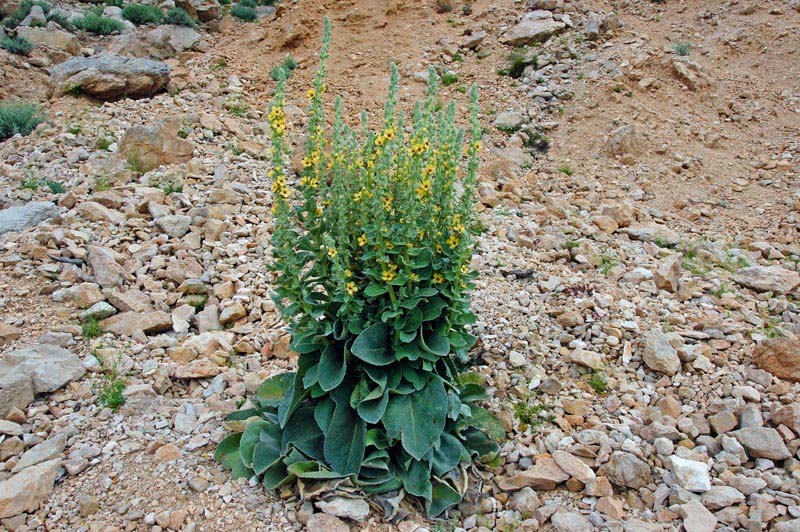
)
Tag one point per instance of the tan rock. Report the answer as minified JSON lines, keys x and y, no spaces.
{"x":25,"y":491}
{"x":148,"y":147}
{"x":781,"y":357}
{"x":668,"y":272}
{"x":168,"y":453}
{"x":573,"y":466}
{"x":95,"y":212}
{"x":127,"y":323}
{"x":544,"y":475}
{"x":8,"y":333}
{"x":198,"y":369}
{"x":606,"y":224}
{"x":610,"y":506}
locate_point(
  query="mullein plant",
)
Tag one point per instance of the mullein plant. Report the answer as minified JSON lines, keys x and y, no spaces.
{"x":371,"y":254}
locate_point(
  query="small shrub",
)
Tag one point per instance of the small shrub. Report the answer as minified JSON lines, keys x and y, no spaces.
{"x":22,"y":11}
{"x":55,"y":187}
{"x":180,"y":17}
{"x":91,"y":329}
{"x":518,"y":60}
{"x":449,"y":78}
{"x":31,"y":184}
{"x":466,"y":9}
{"x":247,"y":14}
{"x":60,"y":18}
{"x":565,"y":169}
{"x":598,"y":382}
{"x":682,"y":48}
{"x":104,"y":143}
{"x":287,"y":68}
{"x":444,"y":6}
{"x":92,"y":23}
{"x":248,"y":3}
{"x":530,"y":412}
{"x":141,"y":14}
{"x":17,"y":45}
{"x":537,"y":143}
{"x":18,"y":118}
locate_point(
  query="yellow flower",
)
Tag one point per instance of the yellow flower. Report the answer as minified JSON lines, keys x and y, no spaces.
{"x":389,"y":246}
{"x":379,"y":140}
{"x":351,"y":288}
{"x":424,"y":188}
{"x":438,"y":278}
{"x":428,"y":170}
{"x":389,"y":133}
{"x":477,"y":145}
{"x":362,"y":240}
{"x":311,"y":93}
{"x":387,"y":202}
{"x":319,"y":211}
{"x":413,"y":276}
{"x":348,"y":273}
{"x":438,"y":248}
{"x":388,"y":275}
{"x":357,"y":197}
{"x":464,"y":269}
{"x":452,"y":241}
{"x":285,"y":192}
{"x":332,"y":252}
{"x":307,"y":162}
{"x":421,"y":234}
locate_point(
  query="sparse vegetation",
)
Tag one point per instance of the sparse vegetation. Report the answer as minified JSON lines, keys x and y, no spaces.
{"x":17,"y":45}
{"x":449,"y":78}
{"x":90,"y":328}
{"x":22,"y":11}
{"x":682,"y":48}
{"x":287,"y":67}
{"x":444,"y":6}
{"x":55,"y":187}
{"x":31,"y":183}
{"x":60,"y":18}
{"x":598,"y":382}
{"x":243,"y":12}
{"x":179,"y":17}
{"x":93,"y":23}
{"x":607,"y":263}
{"x":110,"y":390}
{"x":18,"y":117}
{"x":142,"y":14}
{"x":518,"y":60}
{"x":531,"y":412}
{"x":565,"y":169}
{"x":104,"y":143}
{"x":101,"y":183}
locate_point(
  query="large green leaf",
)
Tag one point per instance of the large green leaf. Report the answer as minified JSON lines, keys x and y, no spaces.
{"x":312,"y":469}
{"x":273,"y":390}
{"x":485,"y":420}
{"x":345,"y":441}
{"x":435,"y":343}
{"x":332,"y":366}
{"x":303,"y":433}
{"x":227,"y":454}
{"x":371,"y":409}
{"x":268,"y":449}
{"x":432,"y":309}
{"x":480,"y":444}
{"x":323,"y":414}
{"x":373,"y":345}
{"x":250,"y":437}
{"x":417,"y":479}
{"x":417,"y":418}
{"x":443,"y":497}
{"x":448,"y":454}
{"x":276,"y":475}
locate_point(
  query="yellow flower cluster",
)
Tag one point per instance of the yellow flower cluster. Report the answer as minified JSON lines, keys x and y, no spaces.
{"x":277,"y":119}
{"x":279,"y":186}
{"x":390,"y":272}
{"x":351,"y":288}
{"x":386,"y":134}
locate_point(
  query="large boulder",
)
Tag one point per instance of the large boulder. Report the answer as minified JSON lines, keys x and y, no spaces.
{"x":160,"y":42}
{"x":109,"y":77}
{"x":536,"y":26}
{"x":768,"y":279}
{"x":28,"y":489}
{"x":149,"y":147}
{"x":52,"y":38}
{"x":24,"y":216}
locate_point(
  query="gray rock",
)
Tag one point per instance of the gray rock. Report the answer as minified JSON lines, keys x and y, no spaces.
{"x":326,"y":523}
{"x":35,"y":17}
{"x":98,"y":311}
{"x":509,"y":120}
{"x":355,"y":509}
{"x":762,"y":442}
{"x":24,"y":216}
{"x":652,"y":233}
{"x":659,"y":355}
{"x":109,"y":77}
{"x":721,"y":497}
{"x":48,"y":367}
{"x":50,"y":449}
{"x":593,"y":27}
{"x":203,"y":10}
{"x":128,"y":323}
{"x":570,"y":522}
{"x":107,"y":272}
{"x":625,"y":469}
{"x":158,"y":43}
{"x":174,"y":225}
{"x":16,"y":391}
{"x":25,"y":491}
{"x":768,"y":279}
{"x":524,"y":501}
{"x":792,"y":525}
{"x":697,"y":518}
{"x":623,"y":140}
{"x":536,"y":26}
{"x":52,"y":38}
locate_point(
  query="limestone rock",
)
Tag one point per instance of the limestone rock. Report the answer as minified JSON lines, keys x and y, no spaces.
{"x":668,"y":272}
{"x":536,"y":26}
{"x":762,"y":442}
{"x":127,"y":323}
{"x":768,"y":279}
{"x":322,"y":522}
{"x":573,"y":466}
{"x":52,"y":38}
{"x":149,"y":147}
{"x":659,"y":355}
{"x":690,"y":474}
{"x":109,"y":77}
{"x":107,"y":272}
{"x":24,"y":216}
{"x":8,"y":333}
{"x":626,"y":469}
{"x":544,"y":475}
{"x":779,"y":356}
{"x":355,"y":509}
{"x":26,"y":490}
{"x":624,"y":140}
{"x":570,"y":522}
{"x":698,"y":518}
{"x":175,"y":225}
{"x":48,"y":367}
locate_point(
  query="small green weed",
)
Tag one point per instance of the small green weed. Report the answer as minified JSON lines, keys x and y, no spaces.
{"x":444,"y":6}
{"x":90,"y":328}
{"x":93,"y":23}
{"x":55,"y":187}
{"x":531,"y":412}
{"x":682,"y":48}
{"x":104,"y":143}
{"x":598,"y":382}
{"x":607,"y":263}
{"x":101,"y":183}
{"x":286,"y":68}
{"x":60,"y":18}
{"x":565,"y":169}
{"x":31,"y":183}
{"x":218,"y":64}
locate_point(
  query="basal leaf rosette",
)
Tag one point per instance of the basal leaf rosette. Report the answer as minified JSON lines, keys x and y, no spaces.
{"x":371,"y":252}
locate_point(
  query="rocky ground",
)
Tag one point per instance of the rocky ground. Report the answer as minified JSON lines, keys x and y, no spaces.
{"x":638,"y":297}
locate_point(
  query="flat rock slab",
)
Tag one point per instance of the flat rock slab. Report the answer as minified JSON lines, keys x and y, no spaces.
{"x":536,"y":26}
{"x":25,"y":491}
{"x":25,"y":216}
{"x":127,"y":323}
{"x":779,"y":356}
{"x":109,"y":77}
{"x":768,"y":279}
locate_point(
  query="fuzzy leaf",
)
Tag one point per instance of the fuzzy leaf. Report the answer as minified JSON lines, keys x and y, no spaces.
{"x":345,"y":441}
{"x":373,"y":345}
{"x":250,"y":438}
{"x":432,"y":309}
{"x":227,"y":454}
{"x":418,"y":418}
{"x":332,"y":367}
{"x":435,"y":343}
{"x":417,"y":479}
{"x":443,"y":497}
{"x":273,"y":390}
{"x":371,"y":410}
{"x":268,"y":449}
{"x":448,"y":454}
